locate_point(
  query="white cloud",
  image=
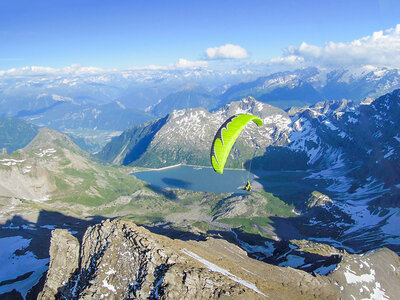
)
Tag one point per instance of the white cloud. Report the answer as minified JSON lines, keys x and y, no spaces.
{"x":185,"y":64}
{"x":227,"y":51}
{"x":288,"y":60}
{"x":149,"y":67}
{"x":74,"y":69}
{"x":78,"y":70}
{"x":382,"y":48}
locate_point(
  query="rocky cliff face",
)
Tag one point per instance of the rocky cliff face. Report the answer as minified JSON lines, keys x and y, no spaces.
{"x":64,"y":249}
{"x":119,"y":260}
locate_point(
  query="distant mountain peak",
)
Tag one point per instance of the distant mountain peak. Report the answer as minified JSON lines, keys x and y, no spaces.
{"x":250,"y":105}
{"x":49,"y":138}
{"x":185,"y":135}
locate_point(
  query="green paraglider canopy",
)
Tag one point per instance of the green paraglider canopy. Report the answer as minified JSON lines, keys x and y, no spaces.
{"x":226,"y":137}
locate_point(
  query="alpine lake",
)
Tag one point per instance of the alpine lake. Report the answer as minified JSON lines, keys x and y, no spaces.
{"x":293,"y":185}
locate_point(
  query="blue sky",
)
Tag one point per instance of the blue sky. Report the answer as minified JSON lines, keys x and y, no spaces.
{"x":123,"y":34}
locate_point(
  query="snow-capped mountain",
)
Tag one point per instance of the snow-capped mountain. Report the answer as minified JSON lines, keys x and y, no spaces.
{"x":186,"y":136}
{"x":353,"y":153}
{"x":363,"y":139}
{"x":134,"y":88}
{"x":141,"y":88}
{"x":311,"y":85}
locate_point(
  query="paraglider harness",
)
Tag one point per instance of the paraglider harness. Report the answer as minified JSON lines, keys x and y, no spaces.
{"x":247,"y":187}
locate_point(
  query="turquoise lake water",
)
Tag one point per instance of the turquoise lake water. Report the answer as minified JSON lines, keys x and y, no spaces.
{"x":289,"y":185}
{"x":196,"y":179}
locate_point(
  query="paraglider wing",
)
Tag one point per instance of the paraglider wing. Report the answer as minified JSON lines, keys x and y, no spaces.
{"x":226,"y":137}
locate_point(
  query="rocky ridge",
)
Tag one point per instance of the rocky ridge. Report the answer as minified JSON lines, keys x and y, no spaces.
{"x":118,"y":259}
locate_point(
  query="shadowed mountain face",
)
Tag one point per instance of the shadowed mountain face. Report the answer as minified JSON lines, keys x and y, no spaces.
{"x":69,"y":115}
{"x":15,"y":133}
{"x":131,"y":144}
{"x":190,"y":96}
{"x":25,"y":250}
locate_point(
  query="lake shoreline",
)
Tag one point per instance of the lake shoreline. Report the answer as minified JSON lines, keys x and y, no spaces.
{"x":156,"y":169}
{"x":195,"y":178}
{"x":204,"y":179}
{"x":179,"y":165}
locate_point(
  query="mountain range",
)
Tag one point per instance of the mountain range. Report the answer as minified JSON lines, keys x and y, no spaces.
{"x":141,"y":89}
{"x":61,"y":114}
{"x":311,"y":85}
{"x":339,"y":198}
{"x":189,"y":96}
{"x":186,"y":136}
{"x":93,"y":107}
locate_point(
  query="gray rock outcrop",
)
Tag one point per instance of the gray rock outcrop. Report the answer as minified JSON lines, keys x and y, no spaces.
{"x":64,"y":253}
{"x":119,"y":260}
{"x":318,"y":199}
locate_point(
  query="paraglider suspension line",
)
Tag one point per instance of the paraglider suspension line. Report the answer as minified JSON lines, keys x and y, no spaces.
{"x":251,"y":161}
